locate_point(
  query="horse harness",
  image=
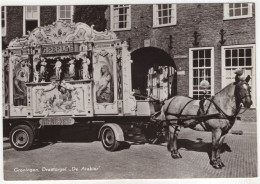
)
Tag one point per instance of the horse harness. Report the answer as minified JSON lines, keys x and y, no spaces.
{"x":202,"y":114}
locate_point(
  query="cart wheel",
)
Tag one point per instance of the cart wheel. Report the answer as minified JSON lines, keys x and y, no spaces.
{"x":108,"y":139}
{"x":21,"y":137}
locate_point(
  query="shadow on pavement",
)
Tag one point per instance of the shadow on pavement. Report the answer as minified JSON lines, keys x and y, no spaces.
{"x":82,"y":134}
{"x":190,"y":145}
{"x":200,"y":146}
{"x":71,"y":134}
{"x":123,"y":146}
{"x":41,"y":145}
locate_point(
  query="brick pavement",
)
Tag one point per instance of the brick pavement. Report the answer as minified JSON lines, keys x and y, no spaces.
{"x":239,"y":153}
{"x":239,"y":156}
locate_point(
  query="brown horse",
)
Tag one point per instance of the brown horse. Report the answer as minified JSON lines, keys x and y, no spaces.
{"x":216,"y":114}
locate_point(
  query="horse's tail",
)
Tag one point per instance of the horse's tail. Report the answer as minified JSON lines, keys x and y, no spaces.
{"x":162,"y":115}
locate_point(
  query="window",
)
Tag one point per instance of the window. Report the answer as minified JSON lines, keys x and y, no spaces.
{"x":65,"y":13}
{"x":201,"y":62}
{"x":3,"y":8}
{"x":239,"y":56}
{"x":120,"y":17}
{"x":31,"y":18}
{"x":164,"y":15}
{"x":237,"y":10}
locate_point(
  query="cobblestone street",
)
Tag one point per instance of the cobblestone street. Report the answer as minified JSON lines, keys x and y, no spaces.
{"x":62,"y":161}
{"x":101,"y":92}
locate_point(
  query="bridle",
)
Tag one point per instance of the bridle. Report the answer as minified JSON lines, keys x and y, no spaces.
{"x":241,"y":98}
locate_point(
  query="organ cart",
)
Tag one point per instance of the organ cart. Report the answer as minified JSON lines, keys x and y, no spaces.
{"x":66,"y":74}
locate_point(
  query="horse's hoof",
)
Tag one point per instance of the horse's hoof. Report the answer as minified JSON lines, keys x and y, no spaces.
{"x":219,"y":162}
{"x":179,"y":155}
{"x":176,"y":155}
{"x":217,"y":166}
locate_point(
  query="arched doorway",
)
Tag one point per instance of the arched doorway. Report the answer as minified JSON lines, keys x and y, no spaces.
{"x":153,"y":69}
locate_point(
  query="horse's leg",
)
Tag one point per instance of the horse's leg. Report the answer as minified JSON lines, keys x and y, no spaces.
{"x":216,"y":134}
{"x":166,"y":133}
{"x":221,"y":140}
{"x":175,"y":138}
{"x":172,"y":144}
{"x":170,"y":138}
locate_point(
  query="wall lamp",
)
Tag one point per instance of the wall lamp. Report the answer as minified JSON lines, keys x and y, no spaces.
{"x":196,"y":36}
{"x":222,"y":33}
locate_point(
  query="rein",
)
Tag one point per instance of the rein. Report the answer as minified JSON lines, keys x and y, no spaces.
{"x":241,"y":106}
{"x":206,"y":116}
{"x":228,"y":117}
{"x":202,"y":115}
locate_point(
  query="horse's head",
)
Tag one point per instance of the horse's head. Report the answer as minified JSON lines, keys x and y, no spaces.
{"x":243,"y":91}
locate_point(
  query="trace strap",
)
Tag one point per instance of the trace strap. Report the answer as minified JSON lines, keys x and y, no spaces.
{"x":220,"y":115}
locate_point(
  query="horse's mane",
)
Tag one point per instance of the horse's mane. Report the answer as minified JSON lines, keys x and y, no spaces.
{"x":225,"y":100}
{"x":227,"y":87}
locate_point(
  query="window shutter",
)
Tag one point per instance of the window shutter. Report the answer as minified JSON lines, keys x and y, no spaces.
{"x":226,"y":10}
{"x":72,"y":13}
{"x":111,"y":17}
{"x":174,"y":14}
{"x":128,"y":17}
{"x":58,"y":13}
{"x":250,"y":9}
{"x":155,"y":15}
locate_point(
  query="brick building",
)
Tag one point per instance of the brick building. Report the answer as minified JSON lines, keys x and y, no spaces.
{"x":191,"y":35}
{"x":204,"y":41}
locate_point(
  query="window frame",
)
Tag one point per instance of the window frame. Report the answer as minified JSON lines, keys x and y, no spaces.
{"x":228,"y":17}
{"x":58,"y":13}
{"x":253,"y":77}
{"x":211,"y":67}
{"x":112,"y":20}
{"x":155,"y":16}
{"x":4,"y":28}
{"x":24,"y":18}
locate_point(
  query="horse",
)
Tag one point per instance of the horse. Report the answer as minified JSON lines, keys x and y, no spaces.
{"x":216,"y":114}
